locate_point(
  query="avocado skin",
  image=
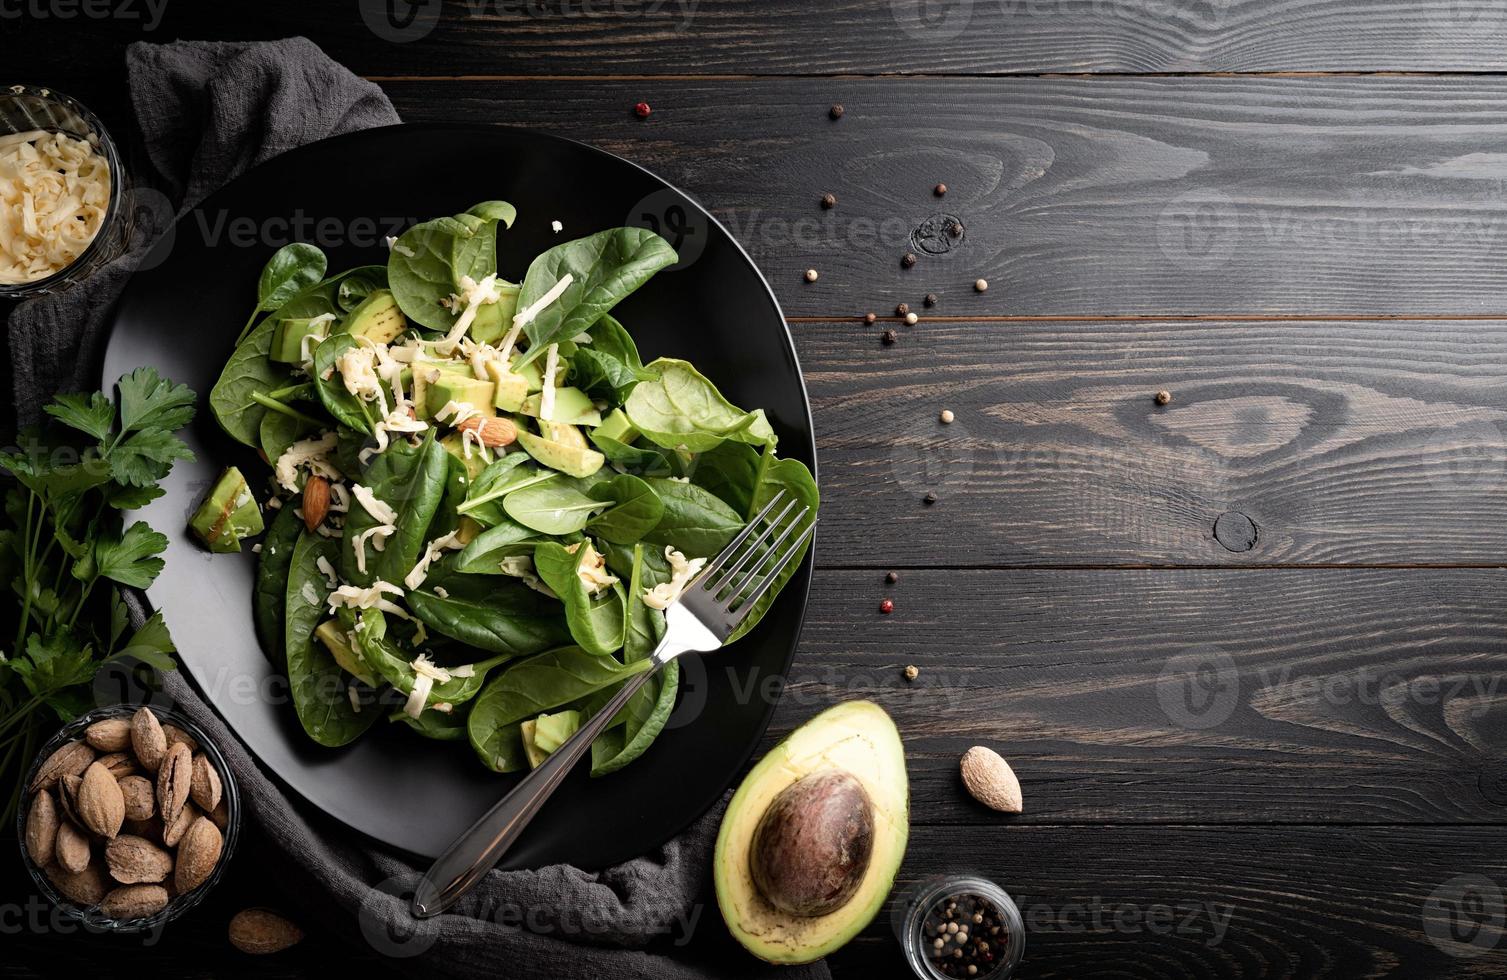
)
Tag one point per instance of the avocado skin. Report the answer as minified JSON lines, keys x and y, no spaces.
{"x":855,"y":738}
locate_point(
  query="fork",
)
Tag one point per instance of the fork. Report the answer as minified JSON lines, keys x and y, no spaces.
{"x":709,"y":608}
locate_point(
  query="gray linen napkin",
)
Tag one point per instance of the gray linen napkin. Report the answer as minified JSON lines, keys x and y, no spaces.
{"x":207,"y":112}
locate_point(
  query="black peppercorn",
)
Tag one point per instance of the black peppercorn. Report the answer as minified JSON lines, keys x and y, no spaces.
{"x":829,"y":201}
{"x":954,"y":229}
{"x":888,"y":337}
{"x":836,"y":111}
{"x":931,"y":299}
{"x":908,"y":260}
{"x":891,"y":578}
{"x":940,"y":189}
{"x":929,"y":499}
{"x":902,"y":309}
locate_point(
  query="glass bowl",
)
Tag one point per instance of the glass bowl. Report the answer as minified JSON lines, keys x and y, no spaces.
{"x":179,"y":904}
{"x":918,"y":934}
{"x":27,"y":107}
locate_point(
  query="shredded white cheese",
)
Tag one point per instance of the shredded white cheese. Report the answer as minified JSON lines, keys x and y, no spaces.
{"x":662,"y":596}
{"x":443,"y":707}
{"x":423,"y":665}
{"x":397,"y":421}
{"x":378,"y":536}
{"x":309,"y":595}
{"x":380,"y":510}
{"x":474,"y":295}
{"x":350,"y":692}
{"x":435,"y":548}
{"x":527,"y":315}
{"x":592,"y":569}
{"x":547,"y":395}
{"x":328,"y":571}
{"x":414,"y":706}
{"x":312,"y":454}
{"x":54,"y":192}
{"x":522,"y":567}
{"x":371,"y":597}
{"x":358,"y":370}
{"x":556,"y":227}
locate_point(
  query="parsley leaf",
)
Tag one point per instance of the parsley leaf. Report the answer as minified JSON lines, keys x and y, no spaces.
{"x":146,"y":457}
{"x":130,"y":559}
{"x":151,"y":644}
{"x":91,"y":414}
{"x":57,"y":662}
{"x":149,"y":402}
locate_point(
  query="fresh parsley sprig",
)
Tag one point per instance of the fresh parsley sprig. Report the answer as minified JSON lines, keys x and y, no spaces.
{"x":65,"y":551}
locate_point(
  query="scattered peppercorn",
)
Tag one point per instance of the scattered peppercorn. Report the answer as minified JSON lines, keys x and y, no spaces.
{"x":889,"y":337}
{"x":911,"y":673}
{"x":947,"y":416}
{"x":955,"y":229}
{"x":940,"y":189}
{"x":887,"y":606}
{"x":812,"y":275}
{"x":929,"y":499}
{"x":870,"y":318}
{"x":911,"y":319}
{"x":931,"y":299}
{"x":1164,"y":398}
{"x":829,"y":201}
{"x":892,"y":578}
{"x":980,"y":285}
{"x":902,"y":309}
{"x":642,"y":110}
{"x":953,"y":951}
{"x":908,"y":260}
{"x":836,"y":111}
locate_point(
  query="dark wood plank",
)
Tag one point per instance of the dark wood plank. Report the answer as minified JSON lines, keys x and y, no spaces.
{"x":1344,"y":442}
{"x":1284,"y":696}
{"x":1243,"y":902}
{"x":1078,"y":196}
{"x":678,"y":37}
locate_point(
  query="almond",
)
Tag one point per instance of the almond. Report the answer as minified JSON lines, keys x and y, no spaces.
{"x":100,"y":804}
{"x":991,"y":780}
{"x":174,"y":779}
{"x":42,"y":822}
{"x":141,"y":803}
{"x":136,"y":860}
{"x":494,"y":433}
{"x":68,"y":788}
{"x":205,"y":787}
{"x":134,"y":902}
{"x":72,"y":848}
{"x":261,"y":931}
{"x":70,"y":760}
{"x":85,"y":888}
{"x":109,"y":734}
{"x":174,"y":735}
{"x":198,"y":853}
{"x":120,"y":764}
{"x":316,"y":501}
{"x":221,"y":814}
{"x":147,"y":739}
{"x":173,"y":832}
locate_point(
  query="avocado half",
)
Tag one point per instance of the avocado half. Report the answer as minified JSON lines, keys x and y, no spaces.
{"x":856,"y":738}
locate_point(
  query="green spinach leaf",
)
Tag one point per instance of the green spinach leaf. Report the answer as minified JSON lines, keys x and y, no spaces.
{"x":505,"y":617}
{"x":501,"y":477}
{"x":344,"y":407}
{"x":635,"y":510}
{"x":317,"y":682}
{"x":604,"y":268}
{"x":556,"y":506}
{"x":645,"y":714}
{"x":390,"y":661}
{"x":269,"y":601}
{"x":795,"y":479}
{"x":682,"y":409}
{"x":506,"y":539}
{"x":411,"y":480}
{"x":597,"y":622}
{"x":695,"y":522}
{"x":291,"y":269}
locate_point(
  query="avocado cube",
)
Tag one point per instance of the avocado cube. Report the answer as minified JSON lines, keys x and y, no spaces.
{"x":334,"y":640}
{"x":570,"y":460}
{"x":616,"y":426}
{"x":563,"y":433}
{"x":551,"y":731}
{"x":377,"y":318}
{"x":455,"y":386}
{"x":512,"y":389}
{"x":535,"y":756}
{"x":288,"y":338}
{"x":572,"y":407}
{"x":494,"y":319}
{"x":455,"y":446}
{"x":228,"y":514}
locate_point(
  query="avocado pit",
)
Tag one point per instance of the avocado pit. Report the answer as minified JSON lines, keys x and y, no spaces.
{"x":812,"y":847}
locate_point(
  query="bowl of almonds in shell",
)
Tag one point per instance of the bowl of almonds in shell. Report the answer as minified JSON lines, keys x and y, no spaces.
{"x":128,"y":817}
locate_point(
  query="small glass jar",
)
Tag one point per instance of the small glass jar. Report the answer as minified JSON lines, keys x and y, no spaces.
{"x":979,"y":908}
{"x":178,"y":905}
{"x":26,"y":107}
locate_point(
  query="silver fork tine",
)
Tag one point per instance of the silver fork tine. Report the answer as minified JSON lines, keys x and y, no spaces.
{"x":779,"y":566}
{"x":774,"y":545}
{"x":755,"y":547}
{"x":742,"y":536}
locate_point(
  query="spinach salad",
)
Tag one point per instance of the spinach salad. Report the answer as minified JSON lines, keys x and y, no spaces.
{"x":483,"y":498}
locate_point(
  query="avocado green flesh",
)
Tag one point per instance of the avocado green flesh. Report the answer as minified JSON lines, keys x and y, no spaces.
{"x":858,"y":738}
{"x":616,"y":426}
{"x":288,"y":337}
{"x":493,"y":319}
{"x":333,"y":638}
{"x":572,"y":407}
{"x":569,"y":460}
{"x":458,"y":388}
{"x":228,"y":514}
{"x":377,"y":317}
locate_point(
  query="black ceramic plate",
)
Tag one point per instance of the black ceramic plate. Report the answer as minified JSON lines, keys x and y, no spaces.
{"x":182,"y":315}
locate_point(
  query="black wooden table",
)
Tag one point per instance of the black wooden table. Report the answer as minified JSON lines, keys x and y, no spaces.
{"x":1246,"y":649}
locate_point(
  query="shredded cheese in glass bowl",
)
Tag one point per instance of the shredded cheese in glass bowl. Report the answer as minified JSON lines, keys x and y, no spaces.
{"x":60,"y":192}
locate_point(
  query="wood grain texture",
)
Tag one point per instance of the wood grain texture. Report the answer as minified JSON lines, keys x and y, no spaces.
{"x":1166,"y":903}
{"x":1176,"y":196}
{"x":738,"y":37}
{"x":1201,"y":696}
{"x":1376,"y":442}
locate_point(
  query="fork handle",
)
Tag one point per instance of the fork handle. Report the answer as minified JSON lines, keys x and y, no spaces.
{"x":479,"y":849}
